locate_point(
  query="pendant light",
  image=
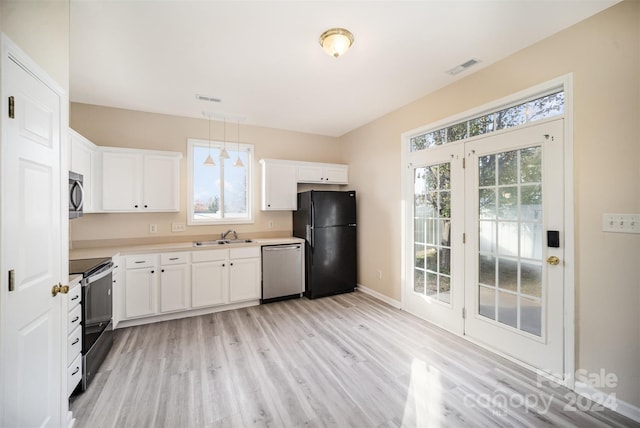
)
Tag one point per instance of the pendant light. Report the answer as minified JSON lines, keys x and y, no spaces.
{"x":238,"y":162}
{"x":223,"y":152}
{"x":209,"y":160}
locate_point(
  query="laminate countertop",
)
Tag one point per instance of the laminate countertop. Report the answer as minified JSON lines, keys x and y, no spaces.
{"x":112,"y":251}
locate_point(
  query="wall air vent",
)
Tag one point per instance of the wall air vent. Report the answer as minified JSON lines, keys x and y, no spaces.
{"x":206,"y":98}
{"x":462,"y":67}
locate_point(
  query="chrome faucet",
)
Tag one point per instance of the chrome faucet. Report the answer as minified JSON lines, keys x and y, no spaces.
{"x":225,"y":234}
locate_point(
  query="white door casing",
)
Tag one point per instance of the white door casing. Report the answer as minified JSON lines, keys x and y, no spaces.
{"x":31,"y":242}
{"x":563,"y":363}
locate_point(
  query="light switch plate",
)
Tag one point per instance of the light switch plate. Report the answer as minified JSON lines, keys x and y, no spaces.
{"x":621,"y":223}
{"x":178,"y":227}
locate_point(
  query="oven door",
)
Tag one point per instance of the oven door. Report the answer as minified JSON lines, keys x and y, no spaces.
{"x":97,"y":305}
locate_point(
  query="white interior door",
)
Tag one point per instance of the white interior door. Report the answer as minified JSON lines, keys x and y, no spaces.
{"x":31,"y":237}
{"x":436,"y":220}
{"x":514,"y":275}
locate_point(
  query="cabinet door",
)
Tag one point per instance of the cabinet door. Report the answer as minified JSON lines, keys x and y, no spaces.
{"x":121,"y":177}
{"x":336,"y":175}
{"x":174,"y":288}
{"x":279,"y":187}
{"x":208,"y":284}
{"x":244,"y":279}
{"x":140,"y":292}
{"x":82,"y":163}
{"x":310,"y":174}
{"x":161,"y":183}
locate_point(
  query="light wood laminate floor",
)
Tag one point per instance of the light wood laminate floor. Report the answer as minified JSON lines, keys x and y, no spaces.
{"x":347,"y":360}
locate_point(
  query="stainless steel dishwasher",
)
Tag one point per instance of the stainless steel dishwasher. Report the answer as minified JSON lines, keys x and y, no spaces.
{"x":281,"y":272}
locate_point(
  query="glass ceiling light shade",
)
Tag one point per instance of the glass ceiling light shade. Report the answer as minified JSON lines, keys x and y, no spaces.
{"x":223,"y":152}
{"x":209,"y":160}
{"x":238,"y":161}
{"x":336,"y":41}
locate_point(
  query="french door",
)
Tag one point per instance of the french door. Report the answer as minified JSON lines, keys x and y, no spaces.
{"x":506,"y":279}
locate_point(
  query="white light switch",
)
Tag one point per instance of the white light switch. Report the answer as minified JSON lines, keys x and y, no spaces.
{"x":178,"y":227}
{"x":621,"y":223}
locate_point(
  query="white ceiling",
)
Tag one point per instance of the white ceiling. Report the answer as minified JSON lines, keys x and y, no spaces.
{"x":263,"y":59}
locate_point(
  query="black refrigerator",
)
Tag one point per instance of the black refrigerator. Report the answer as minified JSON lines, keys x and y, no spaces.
{"x":326,"y":220}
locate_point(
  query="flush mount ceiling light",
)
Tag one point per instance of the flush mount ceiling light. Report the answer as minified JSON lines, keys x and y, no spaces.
{"x":336,"y":41}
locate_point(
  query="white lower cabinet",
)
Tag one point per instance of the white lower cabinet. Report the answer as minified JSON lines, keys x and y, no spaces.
{"x":244,"y":274}
{"x":209,"y":277}
{"x":165,"y":283}
{"x":74,"y":337}
{"x":175,"y":281}
{"x":140,"y":286}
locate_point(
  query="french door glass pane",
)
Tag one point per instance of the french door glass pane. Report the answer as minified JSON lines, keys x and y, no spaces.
{"x":432,"y":231}
{"x":510,"y":284}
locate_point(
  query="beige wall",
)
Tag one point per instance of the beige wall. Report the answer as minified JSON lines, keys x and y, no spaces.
{"x":603,"y":53}
{"x":125,"y":128}
{"x":41,"y":29}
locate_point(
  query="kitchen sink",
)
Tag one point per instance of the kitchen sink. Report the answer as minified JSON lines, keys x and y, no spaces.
{"x":221,"y":242}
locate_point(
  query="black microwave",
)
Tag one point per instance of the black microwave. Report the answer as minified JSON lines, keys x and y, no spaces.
{"x":76,"y":195}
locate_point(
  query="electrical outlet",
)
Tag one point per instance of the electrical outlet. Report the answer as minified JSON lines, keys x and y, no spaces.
{"x":379,"y":274}
{"x":270,"y":224}
{"x":178,"y":227}
{"x":153,"y":228}
{"x":621,"y":223}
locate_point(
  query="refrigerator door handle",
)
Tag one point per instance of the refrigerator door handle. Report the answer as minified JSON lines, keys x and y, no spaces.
{"x":310,"y":235}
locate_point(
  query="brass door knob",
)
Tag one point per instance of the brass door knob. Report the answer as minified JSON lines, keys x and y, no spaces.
{"x":553,"y":260}
{"x":59,"y":288}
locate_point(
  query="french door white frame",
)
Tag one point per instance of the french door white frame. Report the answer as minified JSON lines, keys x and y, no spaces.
{"x":564,"y":83}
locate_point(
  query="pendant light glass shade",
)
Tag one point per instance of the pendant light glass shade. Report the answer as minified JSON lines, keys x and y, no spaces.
{"x":209,"y":160}
{"x":336,"y":41}
{"x":238,"y":162}
{"x":223,"y":152}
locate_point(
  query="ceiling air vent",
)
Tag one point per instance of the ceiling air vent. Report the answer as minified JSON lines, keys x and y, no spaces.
{"x":462,"y":67}
{"x":205,"y":98}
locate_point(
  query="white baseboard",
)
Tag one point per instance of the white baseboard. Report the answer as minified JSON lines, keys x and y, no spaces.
{"x":393,"y":302}
{"x":599,"y":397}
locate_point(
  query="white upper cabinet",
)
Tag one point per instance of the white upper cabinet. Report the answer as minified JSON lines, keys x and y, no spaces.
{"x":140,"y":181}
{"x":279,"y":186}
{"x":323,"y":173}
{"x":83,"y":160}
{"x":280,"y":180}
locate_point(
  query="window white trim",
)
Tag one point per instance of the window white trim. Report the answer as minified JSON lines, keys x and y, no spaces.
{"x":215,"y":150}
{"x":564,"y":83}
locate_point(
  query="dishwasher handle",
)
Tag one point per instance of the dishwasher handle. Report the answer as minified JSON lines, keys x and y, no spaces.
{"x":281,"y":247}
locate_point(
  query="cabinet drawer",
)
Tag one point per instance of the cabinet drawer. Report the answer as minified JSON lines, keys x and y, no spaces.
{"x":74,"y":344}
{"x":74,"y":296}
{"x":244,"y":252}
{"x":140,"y":261}
{"x":74,"y":374}
{"x":174,"y":258}
{"x":209,"y":256}
{"x":75,"y":316}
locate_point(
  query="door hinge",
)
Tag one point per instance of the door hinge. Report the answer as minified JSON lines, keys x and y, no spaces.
{"x":12,"y":114}
{"x":12,"y":280}
{"x":464,"y":313}
{"x":464,"y":238}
